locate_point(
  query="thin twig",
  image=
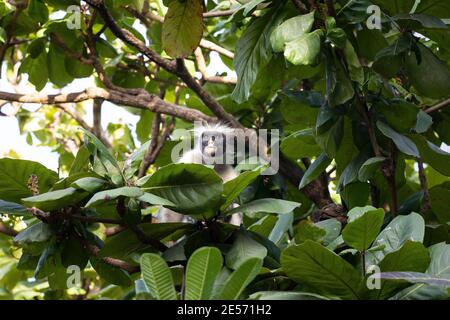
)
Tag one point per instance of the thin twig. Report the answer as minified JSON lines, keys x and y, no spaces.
{"x":438,"y":106}
{"x":424,"y":186}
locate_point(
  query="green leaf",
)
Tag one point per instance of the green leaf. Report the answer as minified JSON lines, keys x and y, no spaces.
{"x":339,"y":87}
{"x":81,"y":161}
{"x":432,"y":154}
{"x":300,"y":144}
{"x":233,"y":188}
{"x":57,"y":73}
{"x":355,"y":69}
{"x":157,"y":277}
{"x":155,"y":200}
{"x":429,"y":76}
{"x":239,"y":279}
{"x":290,"y":29}
{"x":439,"y":268}
{"x":285,"y":295}
{"x":307,"y":230}
{"x":202,"y":269}
{"x":403,"y":143}
{"x":304,"y":50}
{"x":14,"y":176}
{"x":321,"y":269}
{"x":182,"y":28}
{"x":395,"y":234}
{"x":98,"y":149}
{"x":36,"y":69}
{"x":362,"y":231}
{"x":38,"y":10}
{"x":89,"y":184}
{"x":424,"y":122}
{"x":368,"y":168}
{"x":315,"y":169}
{"x":244,"y":248}
{"x":440,"y":202}
{"x":193,"y":188}
{"x":332,"y":228}
{"x":253,"y":53}
{"x":53,"y":200}
{"x":13,"y":208}
{"x":417,"y":277}
{"x":412,"y":256}
{"x":39,"y":232}
{"x":2,"y":35}
{"x":108,"y":195}
{"x":111,"y":274}
{"x":267,"y":205}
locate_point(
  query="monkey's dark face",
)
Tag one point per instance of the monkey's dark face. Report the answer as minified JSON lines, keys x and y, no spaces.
{"x":213,"y":143}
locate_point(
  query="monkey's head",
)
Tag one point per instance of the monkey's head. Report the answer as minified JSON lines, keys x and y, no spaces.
{"x":212,"y":141}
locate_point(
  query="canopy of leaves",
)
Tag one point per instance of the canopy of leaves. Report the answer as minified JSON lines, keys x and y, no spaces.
{"x":361,"y":105}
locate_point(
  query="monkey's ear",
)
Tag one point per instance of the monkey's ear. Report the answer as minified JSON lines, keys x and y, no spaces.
{"x":204,"y":123}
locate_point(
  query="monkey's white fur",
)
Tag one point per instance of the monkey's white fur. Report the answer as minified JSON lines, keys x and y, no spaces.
{"x":226,"y":172}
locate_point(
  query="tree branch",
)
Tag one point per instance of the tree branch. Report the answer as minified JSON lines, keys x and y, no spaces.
{"x":146,"y":101}
{"x":438,"y":106}
{"x":7,"y":230}
{"x":201,"y":65}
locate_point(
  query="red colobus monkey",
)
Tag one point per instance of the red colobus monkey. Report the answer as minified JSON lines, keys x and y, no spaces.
{"x":214,"y":144}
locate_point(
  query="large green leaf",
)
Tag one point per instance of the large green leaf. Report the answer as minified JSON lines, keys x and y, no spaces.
{"x":403,"y":143}
{"x":14,"y":176}
{"x":286,"y":295}
{"x":315,"y":169}
{"x":157,"y":276}
{"x":290,"y":29}
{"x":433,"y":155}
{"x":108,"y":195}
{"x":417,"y":277}
{"x":429,"y":75}
{"x":182,"y":28}
{"x":362,"y":231}
{"x":253,"y":53}
{"x":239,"y":279}
{"x":244,"y":248}
{"x":53,"y":200}
{"x":39,"y":232}
{"x":202,"y":270}
{"x":111,"y":274}
{"x":233,"y":188}
{"x":89,"y":184}
{"x":439,"y":268}
{"x":12,"y":208}
{"x":193,"y":188}
{"x":440,"y":202}
{"x":300,"y":144}
{"x":305,"y":50}
{"x":412,"y":256}
{"x":321,"y":269}
{"x":368,"y":168}
{"x":267,"y":205}
{"x":397,"y":232}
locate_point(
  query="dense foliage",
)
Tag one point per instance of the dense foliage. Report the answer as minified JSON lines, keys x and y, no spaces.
{"x":359,"y":90}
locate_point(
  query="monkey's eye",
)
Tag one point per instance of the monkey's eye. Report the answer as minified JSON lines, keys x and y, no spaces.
{"x":213,"y":138}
